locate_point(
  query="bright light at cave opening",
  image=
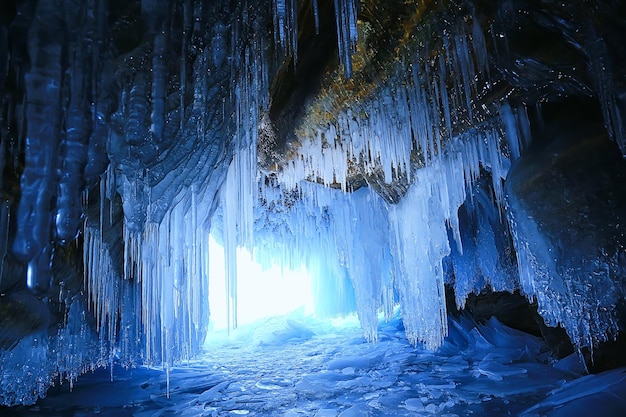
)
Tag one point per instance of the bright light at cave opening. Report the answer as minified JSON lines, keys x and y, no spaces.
{"x":260,"y":293}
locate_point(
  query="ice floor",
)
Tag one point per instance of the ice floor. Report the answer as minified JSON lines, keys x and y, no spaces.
{"x":294,"y":366}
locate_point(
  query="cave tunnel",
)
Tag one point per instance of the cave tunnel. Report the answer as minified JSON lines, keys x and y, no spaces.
{"x":312,"y":208}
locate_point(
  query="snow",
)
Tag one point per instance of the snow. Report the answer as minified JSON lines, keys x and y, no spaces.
{"x":326,"y":368}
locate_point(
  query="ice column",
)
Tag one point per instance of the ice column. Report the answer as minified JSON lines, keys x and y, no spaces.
{"x":360,"y":230}
{"x":239,"y":193}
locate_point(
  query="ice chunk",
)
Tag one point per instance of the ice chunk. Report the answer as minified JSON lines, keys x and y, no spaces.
{"x":414,"y":404}
{"x":325,"y":412}
{"x":359,"y":410}
{"x":578,"y":396}
{"x":356,"y":362}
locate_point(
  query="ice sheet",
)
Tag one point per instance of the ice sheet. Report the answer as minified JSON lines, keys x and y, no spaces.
{"x":335,"y":372}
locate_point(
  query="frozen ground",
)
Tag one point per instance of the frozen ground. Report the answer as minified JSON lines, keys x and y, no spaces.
{"x":294,"y":366}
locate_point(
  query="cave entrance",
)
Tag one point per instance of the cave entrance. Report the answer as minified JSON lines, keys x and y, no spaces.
{"x":262,"y":292}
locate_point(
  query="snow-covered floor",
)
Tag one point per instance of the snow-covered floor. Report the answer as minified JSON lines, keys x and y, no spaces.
{"x":295,"y":366}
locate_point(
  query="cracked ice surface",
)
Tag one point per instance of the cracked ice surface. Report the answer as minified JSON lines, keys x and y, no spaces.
{"x":294,"y":366}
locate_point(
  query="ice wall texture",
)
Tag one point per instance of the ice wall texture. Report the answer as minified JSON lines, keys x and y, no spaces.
{"x":127,"y":124}
{"x":121,"y":121}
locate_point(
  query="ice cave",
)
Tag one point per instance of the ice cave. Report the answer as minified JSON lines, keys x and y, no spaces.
{"x":312,"y":208}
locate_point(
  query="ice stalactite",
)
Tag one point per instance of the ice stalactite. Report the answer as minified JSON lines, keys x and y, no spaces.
{"x":239,"y":192}
{"x":159,"y":296}
{"x":73,"y":145}
{"x":316,"y":15}
{"x":285,"y":18}
{"x":601,"y":71}
{"x":167,"y":267}
{"x":136,"y":105}
{"x":386,"y":248}
{"x":420,"y":244}
{"x":38,"y":182}
{"x":410,"y":116}
{"x":285,"y":14}
{"x":233,"y":214}
{"x":347,"y":33}
{"x":359,"y":231}
{"x":41,"y":360}
{"x":97,"y":159}
{"x":5,"y":219}
{"x":65,"y":43}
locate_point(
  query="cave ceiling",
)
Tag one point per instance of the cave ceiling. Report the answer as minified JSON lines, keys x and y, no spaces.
{"x":533,"y":54}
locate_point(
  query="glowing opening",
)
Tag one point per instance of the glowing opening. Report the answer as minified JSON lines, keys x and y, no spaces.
{"x":260,"y":293}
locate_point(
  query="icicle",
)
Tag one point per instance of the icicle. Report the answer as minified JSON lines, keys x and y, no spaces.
{"x":97,"y":160}
{"x":316,"y":16}
{"x":602,"y":74}
{"x":347,"y":33}
{"x":74,"y":151}
{"x":479,"y":46}
{"x":294,"y":30}
{"x":513,"y":141}
{"x":153,"y":14}
{"x":43,"y":83}
{"x":421,"y":243}
{"x":285,"y":15}
{"x":238,"y":200}
{"x":229,"y":204}
{"x":443,"y":93}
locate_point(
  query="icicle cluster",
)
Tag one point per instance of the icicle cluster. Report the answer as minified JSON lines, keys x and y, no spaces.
{"x":239,"y":191}
{"x":412,"y":113}
{"x":154,"y":309}
{"x":285,"y":16}
{"x":417,"y":112}
{"x":62,"y":142}
{"x":160,"y":297}
{"x":40,"y":360}
{"x":347,"y":34}
{"x":238,"y":200}
{"x":386,"y":248}
{"x":43,"y":112}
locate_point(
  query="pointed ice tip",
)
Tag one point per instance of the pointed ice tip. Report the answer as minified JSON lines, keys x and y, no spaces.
{"x":24,"y":248}
{"x":67,"y":226}
{"x":39,"y":272}
{"x":37,"y":282}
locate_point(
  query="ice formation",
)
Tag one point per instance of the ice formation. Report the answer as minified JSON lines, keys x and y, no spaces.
{"x":181,"y":139}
